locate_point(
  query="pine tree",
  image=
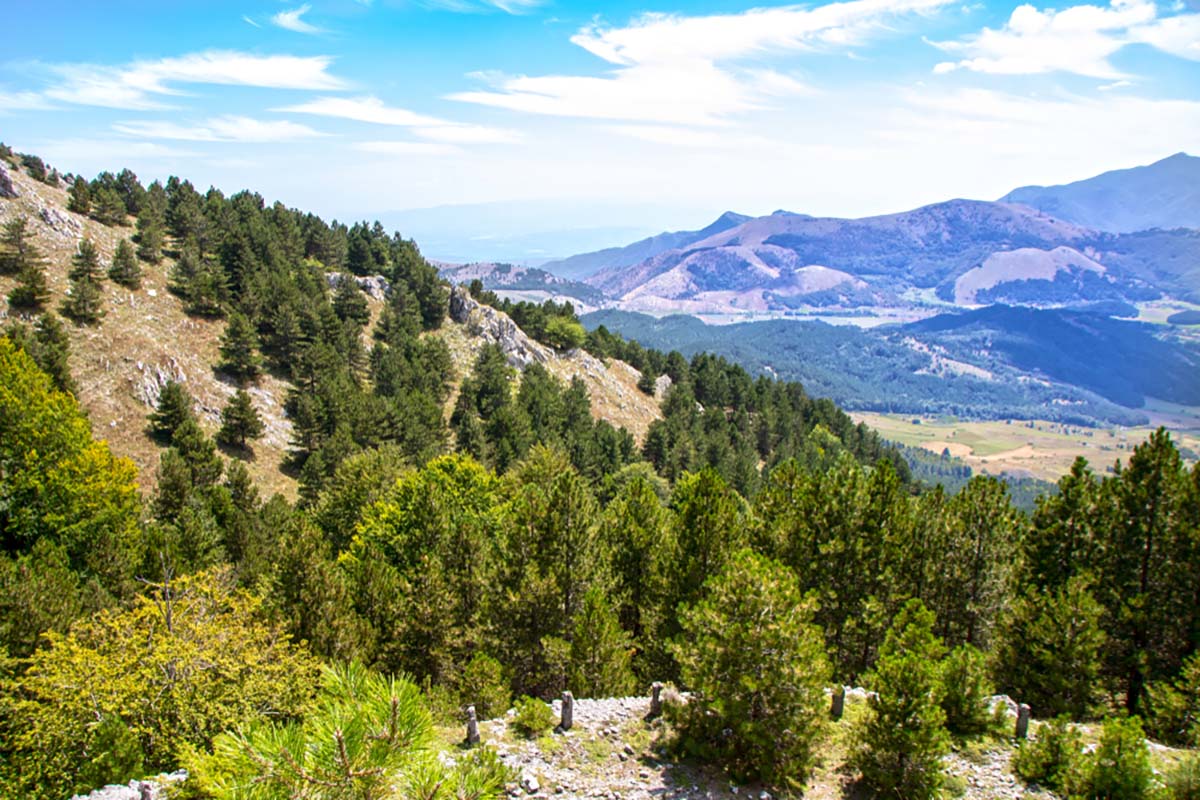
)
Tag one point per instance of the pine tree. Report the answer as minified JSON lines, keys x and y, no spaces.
{"x":198,"y":452}
{"x":173,"y":409}
{"x":85,"y":264}
{"x":81,"y":197}
{"x":756,"y":664}
{"x":53,"y":352}
{"x":31,"y":290}
{"x":125,"y":270}
{"x":600,"y":650}
{"x":903,"y":739}
{"x":16,"y":249}
{"x":107,"y":207}
{"x":150,"y":226}
{"x":240,"y":421}
{"x":85,"y":303}
{"x":238,"y":348}
{"x":349,"y":301}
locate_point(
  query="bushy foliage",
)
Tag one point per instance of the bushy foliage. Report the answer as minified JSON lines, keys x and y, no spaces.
{"x":59,"y":484}
{"x":903,"y":737}
{"x":1182,"y":781}
{"x":366,"y":738}
{"x":1119,"y":767}
{"x":963,"y":691}
{"x":191,"y":658}
{"x":1048,"y":651}
{"x":533,"y":717}
{"x":1175,"y":706}
{"x":756,"y":665}
{"x":484,"y":685}
{"x":1049,"y":758}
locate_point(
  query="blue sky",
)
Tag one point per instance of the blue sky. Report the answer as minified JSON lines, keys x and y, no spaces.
{"x":646,"y":114}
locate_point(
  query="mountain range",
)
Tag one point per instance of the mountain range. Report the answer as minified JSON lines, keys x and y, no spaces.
{"x":1115,"y":238}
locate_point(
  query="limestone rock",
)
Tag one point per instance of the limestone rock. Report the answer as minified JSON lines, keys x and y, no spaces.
{"x":497,"y":328}
{"x":63,"y":224}
{"x":7,"y":190}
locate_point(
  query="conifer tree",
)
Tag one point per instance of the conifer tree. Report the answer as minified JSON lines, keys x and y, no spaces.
{"x":17,"y":250}
{"x":238,"y":348}
{"x":49,"y":346}
{"x":107,"y":207}
{"x":173,"y":409}
{"x":350,"y":303}
{"x":240,"y":421}
{"x":85,"y":303}
{"x":756,"y":664}
{"x":31,"y":290}
{"x":198,"y":452}
{"x":85,"y":264}
{"x":150,"y":225}
{"x":124,"y":269}
{"x":80,"y":197}
{"x":903,"y":739}
{"x":600,"y":650}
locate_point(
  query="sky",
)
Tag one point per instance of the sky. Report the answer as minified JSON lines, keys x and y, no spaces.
{"x":641,"y":115}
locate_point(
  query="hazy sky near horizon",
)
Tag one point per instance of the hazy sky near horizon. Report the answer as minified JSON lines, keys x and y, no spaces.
{"x":676,"y":108}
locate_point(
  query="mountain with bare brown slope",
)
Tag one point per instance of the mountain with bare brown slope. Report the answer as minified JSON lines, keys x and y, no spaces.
{"x":146,"y":339}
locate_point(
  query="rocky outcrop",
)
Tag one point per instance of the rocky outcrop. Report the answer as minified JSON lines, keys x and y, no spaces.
{"x":497,"y":328}
{"x":61,"y":223}
{"x":376,"y":286}
{"x":7,"y":190}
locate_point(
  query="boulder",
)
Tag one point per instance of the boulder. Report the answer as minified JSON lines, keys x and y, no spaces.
{"x":7,"y":190}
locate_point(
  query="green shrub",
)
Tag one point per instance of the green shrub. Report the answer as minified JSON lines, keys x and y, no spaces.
{"x":902,"y":739}
{"x":533,"y":717}
{"x":485,"y":686}
{"x":1119,"y":769}
{"x":1049,"y":759}
{"x":964,"y":690}
{"x":368,"y":737}
{"x":755,"y":663}
{"x":1183,"y":780}
{"x":1175,"y":716}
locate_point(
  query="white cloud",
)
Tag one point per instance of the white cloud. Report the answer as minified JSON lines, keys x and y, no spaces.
{"x":707,"y":139}
{"x":140,"y":84}
{"x":468,"y":134}
{"x":375,"y":111}
{"x":361,"y":109}
{"x":220,"y":129}
{"x":249,"y":21}
{"x":292,"y":20}
{"x":23,"y":101}
{"x":406,"y":148}
{"x":679,"y":70}
{"x":1079,"y":39}
{"x":1108,"y":87}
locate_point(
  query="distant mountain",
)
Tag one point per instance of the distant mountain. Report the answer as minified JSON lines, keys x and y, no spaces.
{"x":584,"y":264}
{"x":965,"y":253}
{"x":1165,"y":194}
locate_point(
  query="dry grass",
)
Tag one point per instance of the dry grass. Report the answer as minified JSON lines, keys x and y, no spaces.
{"x":1038,"y":448}
{"x":145,"y":338}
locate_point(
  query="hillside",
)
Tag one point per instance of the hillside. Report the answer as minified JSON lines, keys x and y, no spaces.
{"x":1165,"y":194}
{"x":524,"y":283}
{"x":147,"y":339}
{"x":995,"y":363}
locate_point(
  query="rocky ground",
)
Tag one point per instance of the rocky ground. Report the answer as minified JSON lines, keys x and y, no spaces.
{"x":612,"y":752}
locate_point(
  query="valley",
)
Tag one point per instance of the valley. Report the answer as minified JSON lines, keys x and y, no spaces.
{"x":1032,"y":448}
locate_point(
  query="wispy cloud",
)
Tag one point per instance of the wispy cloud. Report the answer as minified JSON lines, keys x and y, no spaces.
{"x":1108,"y":87}
{"x":220,"y":129}
{"x":141,"y":85}
{"x":682,"y":70}
{"x":250,"y":21}
{"x":23,"y":101}
{"x":406,"y":148}
{"x":292,"y":21}
{"x":375,"y":111}
{"x":1078,"y":39}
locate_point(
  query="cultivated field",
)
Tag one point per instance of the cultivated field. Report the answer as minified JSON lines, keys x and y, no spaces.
{"x":1037,"y":448}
